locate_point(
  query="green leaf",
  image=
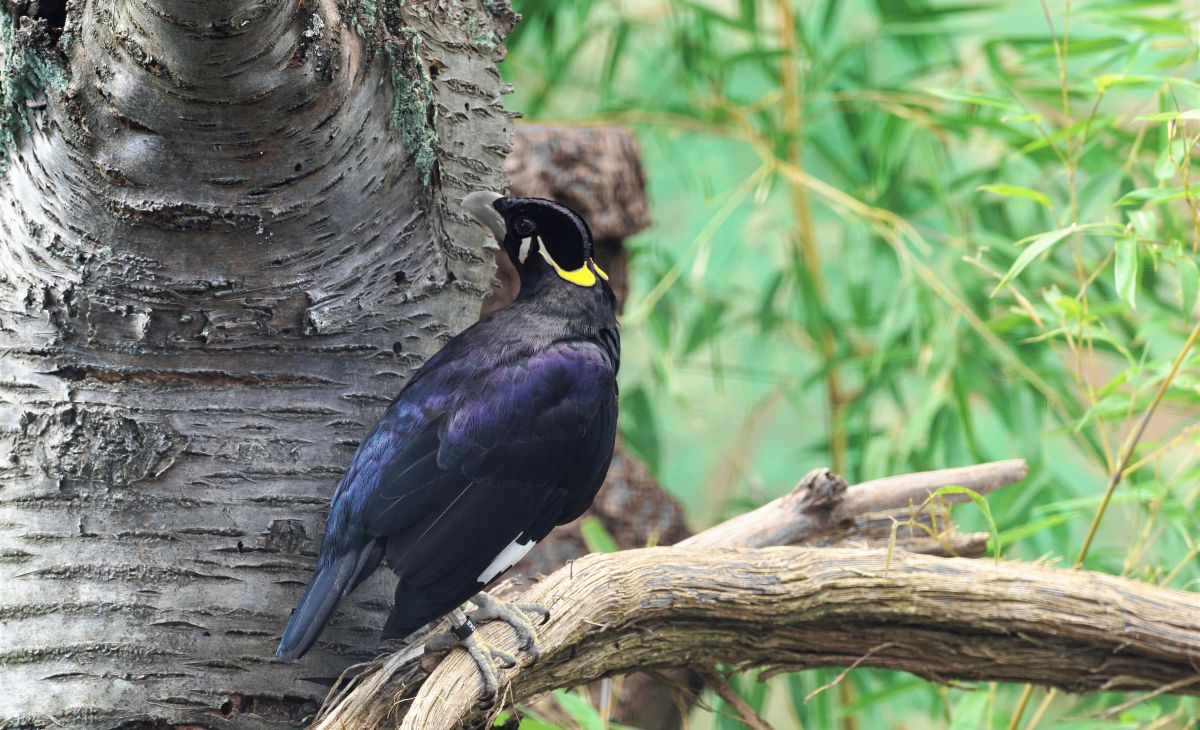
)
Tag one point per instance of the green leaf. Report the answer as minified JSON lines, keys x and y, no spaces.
{"x":638,"y":425}
{"x":976,"y":99}
{"x":1081,"y":47}
{"x":1091,"y":126}
{"x":1144,"y":223}
{"x":1031,"y":117}
{"x":1189,"y":276}
{"x":1152,"y":24}
{"x":579,"y":710}
{"x":615,"y":54}
{"x":970,"y":711}
{"x":716,"y":16}
{"x":1189,"y":114}
{"x":1040,"y":245}
{"x":529,"y":721}
{"x":596,"y":536}
{"x":1016,"y":191}
{"x":1111,"y":405}
{"x":981,"y":503}
{"x":1112,"y":385}
{"x":536,"y":723}
{"x":1126,"y":270}
{"x":1026,"y":529}
{"x":1151,"y":196}
{"x":1106,"y":81}
{"x":706,"y":327}
{"x":1164,"y":167}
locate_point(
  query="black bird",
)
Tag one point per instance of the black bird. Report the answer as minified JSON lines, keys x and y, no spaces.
{"x":504,"y":433}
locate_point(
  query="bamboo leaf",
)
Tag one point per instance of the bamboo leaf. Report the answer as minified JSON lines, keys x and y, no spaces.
{"x":1151,"y":196}
{"x":994,"y":102}
{"x":1164,"y":167}
{"x":706,"y":327}
{"x":579,"y":710}
{"x":596,"y":536}
{"x":1187,"y":114}
{"x":1126,"y":270}
{"x":1016,"y":191}
{"x":1024,"y":530}
{"x":1189,"y":276}
{"x":1105,"y":82}
{"x":638,"y":426}
{"x":1040,"y":245}
{"x":1091,"y":126}
{"x":970,"y":711}
{"x":1112,"y":385}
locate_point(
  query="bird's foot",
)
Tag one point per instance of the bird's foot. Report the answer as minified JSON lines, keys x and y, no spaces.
{"x":520,"y":616}
{"x":488,"y":658}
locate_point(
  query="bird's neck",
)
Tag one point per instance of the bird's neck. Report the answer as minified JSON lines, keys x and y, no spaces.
{"x":555,"y":293}
{"x":579,"y":311}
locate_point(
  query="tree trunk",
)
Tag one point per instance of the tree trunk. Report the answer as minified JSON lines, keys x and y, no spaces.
{"x":229,"y":231}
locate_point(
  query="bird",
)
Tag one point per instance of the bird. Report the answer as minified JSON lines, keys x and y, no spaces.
{"x":504,"y":433}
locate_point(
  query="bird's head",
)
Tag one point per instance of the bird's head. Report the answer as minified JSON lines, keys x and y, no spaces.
{"x":540,"y":236}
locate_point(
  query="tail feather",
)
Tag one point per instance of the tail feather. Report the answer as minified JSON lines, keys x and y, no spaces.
{"x":329,"y":585}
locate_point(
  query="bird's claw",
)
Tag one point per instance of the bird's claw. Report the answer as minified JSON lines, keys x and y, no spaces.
{"x":488,"y":657}
{"x":520,"y":616}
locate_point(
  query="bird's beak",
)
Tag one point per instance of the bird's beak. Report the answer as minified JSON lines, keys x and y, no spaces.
{"x":479,"y":205}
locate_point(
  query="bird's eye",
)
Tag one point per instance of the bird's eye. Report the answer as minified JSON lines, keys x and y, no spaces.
{"x":524,"y":226}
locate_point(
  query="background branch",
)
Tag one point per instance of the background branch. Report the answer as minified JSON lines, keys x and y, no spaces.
{"x":822,"y":508}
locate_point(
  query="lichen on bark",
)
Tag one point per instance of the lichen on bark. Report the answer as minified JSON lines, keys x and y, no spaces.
{"x":28,"y":72}
{"x":385,"y":30}
{"x":413,"y":113}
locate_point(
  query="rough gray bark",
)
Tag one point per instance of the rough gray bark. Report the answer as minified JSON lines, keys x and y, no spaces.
{"x":228,"y":231}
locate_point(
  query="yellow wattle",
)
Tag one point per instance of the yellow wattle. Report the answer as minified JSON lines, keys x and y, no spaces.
{"x":582,"y":276}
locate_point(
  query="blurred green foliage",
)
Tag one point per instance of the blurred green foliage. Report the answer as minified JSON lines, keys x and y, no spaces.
{"x":896,"y":235}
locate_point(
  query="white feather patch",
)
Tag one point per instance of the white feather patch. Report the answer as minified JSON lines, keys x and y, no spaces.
{"x":507,"y":558}
{"x":523,"y":252}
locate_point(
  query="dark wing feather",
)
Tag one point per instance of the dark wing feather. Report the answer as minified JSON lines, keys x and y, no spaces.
{"x":463,"y":463}
{"x":526,"y":444}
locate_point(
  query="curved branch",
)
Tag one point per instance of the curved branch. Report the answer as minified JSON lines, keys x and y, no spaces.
{"x":793,"y":608}
{"x":820,"y":510}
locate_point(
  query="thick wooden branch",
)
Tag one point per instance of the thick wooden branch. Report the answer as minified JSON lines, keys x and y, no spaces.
{"x":820,"y":510}
{"x":790,"y":608}
{"x":793,"y":608}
